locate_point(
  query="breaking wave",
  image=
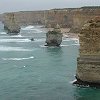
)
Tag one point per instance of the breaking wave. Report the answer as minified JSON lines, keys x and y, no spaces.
{"x":32,"y":28}
{"x":18,"y":58}
{"x":73,"y":81}
{"x":28,"y":28}
{"x":69,"y":45}
{"x":70,"y":39}
{"x":19,"y":35}
{"x":43,"y":46}
{"x":3,"y":33}
{"x":15,"y":40}
{"x":5,"y":48}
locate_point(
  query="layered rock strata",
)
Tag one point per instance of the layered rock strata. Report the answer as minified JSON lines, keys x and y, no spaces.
{"x":11,"y":25}
{"x":54,"y":38}
{"x":88,"y":64}
{"x":73,"y":18}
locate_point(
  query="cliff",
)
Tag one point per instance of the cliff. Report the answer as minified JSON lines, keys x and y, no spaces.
{"x":1,"y":17}
{"x":88,"y":64}
{"x":30,"y":17}
{"x":73,"y":18}
{"x":82,"y":15}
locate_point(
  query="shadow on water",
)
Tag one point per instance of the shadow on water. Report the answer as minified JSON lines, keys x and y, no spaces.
{"x":56,"y":55}
{"x":54,"y":51}
{"x":86,"y":93}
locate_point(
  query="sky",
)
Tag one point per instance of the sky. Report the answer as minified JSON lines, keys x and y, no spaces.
{"x":30,"y":5}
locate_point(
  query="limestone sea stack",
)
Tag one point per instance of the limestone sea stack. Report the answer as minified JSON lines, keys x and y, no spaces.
{"x":10,"y":24}
{"x":88,"y":64}
{"x":54,"y":38}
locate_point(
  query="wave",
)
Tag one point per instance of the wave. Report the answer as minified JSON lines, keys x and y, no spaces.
{"x":18,"y":58}
{"x":3,"y":33}
{"x":32,"y":28}
{"x":22,"y":40}
{"x":69,"y":45}
{"x":73,"y":81}
{"x":5,"y":48}
{"x":70,"y":39}
{"x":19,"y":35}
{"x":43,"y":46}
{"x":27,"y":28}
{"x":15,"y":40}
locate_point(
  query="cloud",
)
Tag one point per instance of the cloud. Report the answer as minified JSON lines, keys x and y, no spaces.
{"x":19,"y":5}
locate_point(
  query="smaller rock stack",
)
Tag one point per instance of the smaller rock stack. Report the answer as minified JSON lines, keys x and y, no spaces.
{"x":10,"y":24}
{"x":88,"y":64}
{"x":54,"y":38}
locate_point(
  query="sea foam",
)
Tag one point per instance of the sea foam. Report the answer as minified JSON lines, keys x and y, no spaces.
{"x":7,"y":48}
{"x":27,"y":28}
{"x":3,"y":33}
{"x":15,"y":40}
{"x":18,"y":58}
{"x":32,"y":28}
{"x":19,"y":35}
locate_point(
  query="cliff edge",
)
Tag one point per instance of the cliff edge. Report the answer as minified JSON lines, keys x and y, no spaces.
{"x":88,"y":64}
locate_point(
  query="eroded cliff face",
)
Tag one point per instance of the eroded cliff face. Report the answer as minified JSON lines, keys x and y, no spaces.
{"x":61,"y":17}
{"x":81,"y":16}
{"x":88,"y":64}
{"x":49,"y":18}
{"x":73,"y":18}
{"x":30,"y":17}
{"x":10,"y":24}
{"x":1,"y":17}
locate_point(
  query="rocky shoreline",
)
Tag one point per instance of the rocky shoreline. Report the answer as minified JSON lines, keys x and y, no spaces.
{"x":79,"y":82}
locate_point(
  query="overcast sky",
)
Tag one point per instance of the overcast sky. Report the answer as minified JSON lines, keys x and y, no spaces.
{"x":29,"y":5}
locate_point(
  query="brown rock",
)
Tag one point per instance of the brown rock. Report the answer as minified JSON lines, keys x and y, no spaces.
{"x":88,"y":64}
{"x":54,"y":38}
{"x":10,"y":24}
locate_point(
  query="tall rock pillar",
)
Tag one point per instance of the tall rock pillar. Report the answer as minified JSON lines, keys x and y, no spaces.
{"x":54,"y":38}
{"x":88,"y":64}
{"x":10,"y":24}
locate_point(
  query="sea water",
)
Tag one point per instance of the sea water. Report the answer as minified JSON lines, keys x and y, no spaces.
{"x":31,"y":71}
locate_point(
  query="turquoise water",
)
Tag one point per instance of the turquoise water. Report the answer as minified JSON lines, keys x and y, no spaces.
{"x":31,"y":71}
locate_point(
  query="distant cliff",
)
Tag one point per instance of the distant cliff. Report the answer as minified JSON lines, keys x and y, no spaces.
{"x":1,"y":17}
{"x":82,"y":15}
{"x":73,"y":18}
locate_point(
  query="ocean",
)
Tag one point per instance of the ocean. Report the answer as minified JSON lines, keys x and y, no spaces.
{"x":31,"y":71}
